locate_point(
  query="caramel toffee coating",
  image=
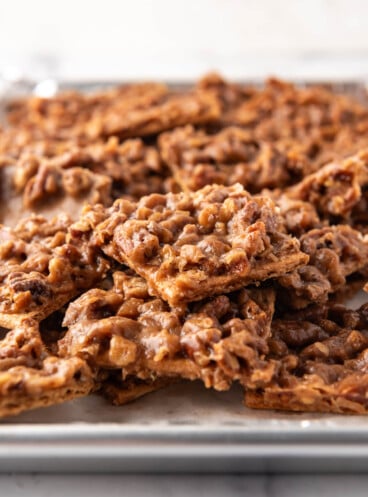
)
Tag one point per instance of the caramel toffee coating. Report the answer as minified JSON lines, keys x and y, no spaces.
{"x":192,"y":245}
{"x":320,"y":362}
{"x":218,"y":340}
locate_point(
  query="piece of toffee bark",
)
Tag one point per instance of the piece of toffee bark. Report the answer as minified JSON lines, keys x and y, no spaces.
{"x":319,"y":357}
{"x":173,"y":109}
{"x":336,"y":252}
{"x":128,"y":111}
{"x":281,"y":109}
{"x":31,"y":377}
{"x":231,"y":156}
{"x":218,"y":340}
{"x":68,"y":114}
{"x":336,"y":190}
{"x":93,"y":173}
{"x":189,"y":246}
{"x":41,"y":270}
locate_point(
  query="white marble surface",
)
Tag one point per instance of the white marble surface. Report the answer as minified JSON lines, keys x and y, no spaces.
{"x":184,"y":485}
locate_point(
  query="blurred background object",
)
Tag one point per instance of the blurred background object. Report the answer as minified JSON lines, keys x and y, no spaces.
{"x":112,"y":39}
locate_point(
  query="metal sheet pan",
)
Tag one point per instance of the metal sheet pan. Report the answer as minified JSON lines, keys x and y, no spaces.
{"x":183,"y":428}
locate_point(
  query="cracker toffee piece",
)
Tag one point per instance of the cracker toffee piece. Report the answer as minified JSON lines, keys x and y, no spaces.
{"x":320,"y":362}
{"x":41,"y":270}
{"x":280,"y":109}
{"x":218,"y":340}
{"x":230,"y":95}
{"x":128,"y":112}
{"x":172,"y":110}
{"x":231,"y":156}
{"x":336,"y":252}
{"x":30,"y":377}
{"x":94,"y":173}
{"x":192,"y":245}
{"x":131,"y":167}
{"x":336,"y":189}
{"x":70,"y":114}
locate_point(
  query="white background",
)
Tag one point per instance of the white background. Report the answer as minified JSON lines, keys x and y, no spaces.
{"x":181,"y":39}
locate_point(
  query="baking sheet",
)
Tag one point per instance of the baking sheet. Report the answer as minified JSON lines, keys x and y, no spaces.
{"x":183,"y":427}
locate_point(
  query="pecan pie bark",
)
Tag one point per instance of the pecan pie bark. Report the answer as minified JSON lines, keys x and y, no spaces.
{"x":281,"y":109}
{"x":335,"y":190}
{"x":230,"y":95}
{"x":68,"y":114}
{"x":17,"y":143}
{"x":31,"y":377}
{"x":171,"y":111}
{"x":320,"y":361}
{"x":42,"y":188}
{"x":41,"y":270}
{"x":94,"y":173}
{"x":231,"y":156}
{"x":131,"y":111}
{"x":192,"y":245}
{"x":218,"y":340}
{"x":335,"y":252}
